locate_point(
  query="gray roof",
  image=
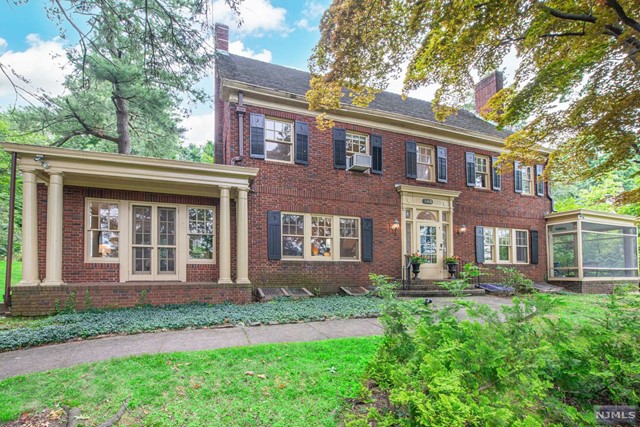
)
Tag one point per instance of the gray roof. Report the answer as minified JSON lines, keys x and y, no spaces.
{"x":294,"y":81}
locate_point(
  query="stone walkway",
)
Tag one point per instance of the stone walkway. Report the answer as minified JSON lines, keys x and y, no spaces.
{"x":72,"y":353}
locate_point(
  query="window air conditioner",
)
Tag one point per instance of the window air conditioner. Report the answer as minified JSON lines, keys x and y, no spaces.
{"x":358,"y":162}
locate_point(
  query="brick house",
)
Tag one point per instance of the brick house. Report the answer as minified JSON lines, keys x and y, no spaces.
{"x":289,"y":204}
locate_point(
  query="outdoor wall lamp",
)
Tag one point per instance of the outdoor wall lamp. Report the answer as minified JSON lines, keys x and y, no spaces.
{"x":462,"y":230}
{"x":39,"y":158}
{"x":395,"y":226}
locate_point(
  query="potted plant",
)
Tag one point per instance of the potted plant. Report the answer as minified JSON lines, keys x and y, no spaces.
{"x":452,"y":265}
{"x":416,"y":260}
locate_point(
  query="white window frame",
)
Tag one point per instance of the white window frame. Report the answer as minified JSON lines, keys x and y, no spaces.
{"x":290,"y":142}
{"x":359,"y":137}
{"x":513,"y":252}
{"x":88,"y":258}
{"x":213,"y":236}
{"x":335,"y":238}
{"x":492,"y":244}
{"x":430,"y":166}
{"x":527,"y":171}
{"x":485,"y":159}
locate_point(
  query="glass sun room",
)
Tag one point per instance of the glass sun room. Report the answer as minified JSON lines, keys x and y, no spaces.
{"x":592,"y":246}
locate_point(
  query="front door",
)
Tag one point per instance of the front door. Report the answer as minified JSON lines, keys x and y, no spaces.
{"x":154,"y":243}
{"x":429,"y":241}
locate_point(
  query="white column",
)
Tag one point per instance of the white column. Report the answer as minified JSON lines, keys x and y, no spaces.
{"x":242,"y":237}
{"x":54,"y":230}
{"x":29,"y":228}
{"x":225,"y":237}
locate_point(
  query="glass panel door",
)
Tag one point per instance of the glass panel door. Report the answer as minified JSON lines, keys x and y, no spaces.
{"x":154,"y":243}
{"x":430,"y":244}
{"x":142,"y":246}
{"x":166,"y":240}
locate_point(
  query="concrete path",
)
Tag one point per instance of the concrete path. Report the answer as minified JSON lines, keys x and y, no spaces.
{"x":72,"y":353}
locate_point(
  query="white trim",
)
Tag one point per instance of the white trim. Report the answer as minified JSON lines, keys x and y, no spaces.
{"x":88,"y":259}
{"x":185,"y":226}
{"x":513,"y":248}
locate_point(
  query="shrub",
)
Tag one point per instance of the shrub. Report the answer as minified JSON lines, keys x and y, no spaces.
{"x":513,"y":278}
{"x":457,"y":286}
{"x":516,"y":367}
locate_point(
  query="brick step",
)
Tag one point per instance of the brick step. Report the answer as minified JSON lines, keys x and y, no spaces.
{"x":432,"y":287}
{"x":438,"y":293}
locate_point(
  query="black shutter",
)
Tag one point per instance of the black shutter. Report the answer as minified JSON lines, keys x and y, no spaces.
{"x":479,"y":244}
{"x":302,"y":143}
{"x":256,"y":136}
{"x":412,"y":159}
{"x":376,"y":154}
{"x":517,"y":177}
{"x":367,"y":239}
{"x":339,"y":148}
{"x":496,"y":178}
{"x":534,"y":246}
{"x":539,"y":181}
{"x":442,"y":164}
{"x":274,"y":241}
{"x":470,"y":159}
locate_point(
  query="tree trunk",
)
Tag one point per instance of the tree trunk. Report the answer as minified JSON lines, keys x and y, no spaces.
{"x":122,"y":122}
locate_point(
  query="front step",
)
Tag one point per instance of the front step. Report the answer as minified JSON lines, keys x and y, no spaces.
{"x":419,"y":293}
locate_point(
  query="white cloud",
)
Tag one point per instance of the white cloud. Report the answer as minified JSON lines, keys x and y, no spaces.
{"x":3,"y":43}
{"x":199,"y":128}
{"x":258,"y":17}
{"x":238,"y":48}
{"x":42,"y":64}
{"x":313,"y":9}
{"x":305,"y":25}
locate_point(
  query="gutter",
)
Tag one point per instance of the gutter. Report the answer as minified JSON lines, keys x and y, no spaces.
{"x":240,"y":111}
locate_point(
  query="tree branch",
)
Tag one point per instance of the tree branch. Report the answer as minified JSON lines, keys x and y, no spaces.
{"x":566,"y":15}
{"x":623,"y":16}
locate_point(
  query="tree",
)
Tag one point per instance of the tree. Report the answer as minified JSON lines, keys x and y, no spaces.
{"x":130,"y":72}
{"x":576,"y":84}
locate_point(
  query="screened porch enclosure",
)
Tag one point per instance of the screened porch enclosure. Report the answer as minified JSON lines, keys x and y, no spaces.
{"x":592,"y":246}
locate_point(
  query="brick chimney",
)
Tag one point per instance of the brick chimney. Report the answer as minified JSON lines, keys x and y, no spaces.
{"x":222,"y":38}
{"x":488,"y":87}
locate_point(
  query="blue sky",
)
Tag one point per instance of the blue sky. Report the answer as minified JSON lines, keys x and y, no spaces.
{"x":278,"y":31}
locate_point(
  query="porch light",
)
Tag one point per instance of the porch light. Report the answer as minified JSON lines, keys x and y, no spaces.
{"x":395,"y":226}
{"x":462,"y":230}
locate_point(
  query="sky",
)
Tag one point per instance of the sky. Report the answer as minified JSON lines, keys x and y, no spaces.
{"x":283,"y":32}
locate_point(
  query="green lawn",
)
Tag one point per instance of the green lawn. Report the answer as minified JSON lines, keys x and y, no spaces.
{"x":16,"y":275}
{"x":305,"y":385}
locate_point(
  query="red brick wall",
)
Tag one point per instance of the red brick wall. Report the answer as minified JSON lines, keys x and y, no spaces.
{"x":43,"y":300}
{"x":75,"y":270}
{"x":319,"y":188}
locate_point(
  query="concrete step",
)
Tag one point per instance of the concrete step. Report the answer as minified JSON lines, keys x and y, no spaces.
{"x":438,"y":293}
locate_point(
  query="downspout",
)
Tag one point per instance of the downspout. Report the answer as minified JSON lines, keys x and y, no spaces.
{"x":240,"y":110}
{"x":12,"y":198}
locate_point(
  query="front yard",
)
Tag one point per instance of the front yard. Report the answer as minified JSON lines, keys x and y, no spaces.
{"x":16,"y":275}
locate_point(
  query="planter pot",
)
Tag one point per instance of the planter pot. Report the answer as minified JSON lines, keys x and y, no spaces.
{"x":453,"y":269}
{"x":415,"y":268}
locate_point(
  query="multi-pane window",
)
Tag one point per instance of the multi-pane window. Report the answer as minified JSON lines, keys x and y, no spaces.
{"x":504,"y":245}
{"x":522,"y":246}
{"x":357,"y":144}
{"x":103,"y":229}
{"x":320,"y":237}
{"x":292,"y":236}
{"x":349,"y":238}
{"x":527,"y":180}
{"x":278,"y":140}
{"x":482,"y":172}
{"x":425,"y":163}
{"x":489,"y":245}
{"x":201,"y":226}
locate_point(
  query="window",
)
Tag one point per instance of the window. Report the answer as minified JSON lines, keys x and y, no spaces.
{"x":482,"y":172}
{"x":527,"y":180}
{"x":522,"y":246}
{"x":425,"y":163}
{"x":201,"y":226}
{"x":292,"y":236}
{"x":489,"y":245}
{"x":278,"y":140}
{"x":357,"y":144}
{"x":320,"y":237}
{"x":103,"y":231}
{"x":504,"y":245}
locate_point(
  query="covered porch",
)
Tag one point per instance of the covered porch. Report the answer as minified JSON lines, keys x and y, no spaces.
{"x":95,"y":219}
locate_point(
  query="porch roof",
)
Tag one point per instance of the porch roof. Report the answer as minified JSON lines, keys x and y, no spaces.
{"x":587,"y":214}
{"x":127,"y":172}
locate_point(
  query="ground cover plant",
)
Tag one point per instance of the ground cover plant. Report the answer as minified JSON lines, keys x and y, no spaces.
{"x":67,"y":326}
{"x":297,"y":384}
{"x":16,"y":275}
{"x":531,"y":364}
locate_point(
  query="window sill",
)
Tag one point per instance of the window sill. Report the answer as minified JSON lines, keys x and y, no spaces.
{"x":319,"y":260}
{"x":201,"y":261}
{"x":102,"y":261}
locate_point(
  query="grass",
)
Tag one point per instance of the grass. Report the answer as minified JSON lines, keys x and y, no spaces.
{"x":305,"y":385}
{"x":16,"y":275}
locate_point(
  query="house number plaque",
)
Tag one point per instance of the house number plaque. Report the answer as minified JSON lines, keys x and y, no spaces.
{"x":427,"y":201}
